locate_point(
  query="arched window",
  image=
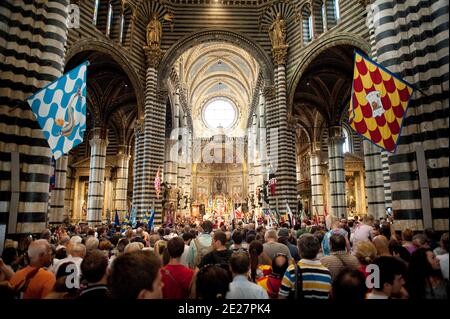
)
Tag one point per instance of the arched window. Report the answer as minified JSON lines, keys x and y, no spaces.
{"x":318,"y":11}
{"x":109,"y":19}
{"x":307,"y":24}
{"x":333,"y":13}
{"x":94,"y":18}
{"x":346,"y":147}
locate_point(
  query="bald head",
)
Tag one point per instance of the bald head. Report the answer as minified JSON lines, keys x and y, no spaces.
{"x":382,"y":245}
{"x":40,"y":253}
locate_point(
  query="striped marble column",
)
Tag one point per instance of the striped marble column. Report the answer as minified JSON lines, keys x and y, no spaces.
{"x":57,"y":196}
{"x":122,"y":160}
{"x":181,"y":171}
{"x":317,"y":191}
{"x":32,"y":57}
{"x":286,"y":189}
{"x":374,"y":180}
{"x":96,"y":187}
{"x":386,"y":178}
{"x":336,"y":172}
{"x":138,"y":174}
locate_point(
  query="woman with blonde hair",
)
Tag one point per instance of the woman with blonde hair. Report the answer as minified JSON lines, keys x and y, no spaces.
{"x":366,"y":252}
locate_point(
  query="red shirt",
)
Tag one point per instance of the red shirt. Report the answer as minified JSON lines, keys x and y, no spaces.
{"x":177,"y":280}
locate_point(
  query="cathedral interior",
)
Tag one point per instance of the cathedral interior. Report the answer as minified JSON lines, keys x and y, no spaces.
{"x":222,"y":98}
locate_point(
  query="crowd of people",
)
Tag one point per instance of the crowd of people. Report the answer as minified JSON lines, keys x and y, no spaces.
{"x":340,"y":260}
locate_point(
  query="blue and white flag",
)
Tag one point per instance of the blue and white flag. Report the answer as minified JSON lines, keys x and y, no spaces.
{"x":60,"y":109}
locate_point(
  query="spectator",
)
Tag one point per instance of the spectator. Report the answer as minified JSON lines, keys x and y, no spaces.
{"x":61,"y":290}
{"x":333,"y":226}
{"x":315,"y":278}
{"x":399,"y":251}
{"x":420,"y":241}
{"x":241,"y":287}
{"x":176,"y":277}
{"x":272,"y":282}
{"x":238,"y":246}
{"x":382,"y":245}
{"x":212,"y":283}
{"x":339,"y":257}
{"x":430,"y":234}
{"x":91,"y":244}
{"x":34,"y":281}
{"x":407,"y":237}
{"x":220,"y":255}
{"x":135,"y":276}
{"x":425,"y":280}
{"x":260,"y":264}
{"x":93,"y":268}
{"x":201,"y":245}
{"x":443,"y":257}
{"x":349,"y":285}
{"x":391,"y":280}
{"x":283,"y":238}
{"x":363,"y":231}
{"x":273,"y":247}
{"x":187,"y":237}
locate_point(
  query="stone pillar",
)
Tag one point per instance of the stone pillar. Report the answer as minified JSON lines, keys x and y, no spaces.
{"x":123,"y":160}
{"x":317,"y":190}
{"x":282,"y":134}
{"x":57,"y":194}
{"x":336,"y":171}
{"x":98,"y":145}
{"x":374,"y":180}
{"x":138,"y":173}
{"x":154,"y":135}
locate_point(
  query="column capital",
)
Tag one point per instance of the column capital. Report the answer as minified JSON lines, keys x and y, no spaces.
{"x":123,"y":150}
{"x":336,"y":140}
{"x":98,"y":133}
{"x":269,"y":92}
{"x":279,"y":54}
{"x":153,"y":56}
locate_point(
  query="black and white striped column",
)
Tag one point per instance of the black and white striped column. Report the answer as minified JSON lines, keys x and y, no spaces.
{"x":96,"y":187}
{"x":123,"y":161}
{"x":138,"y":174}
{"x":336,"y":172}
{"x":32,"y":56}
{"x":374,"y":180}
{"x":317,"y":191}
{"x":56,"y":215}
{"x":386,"y":178}
{"x":68,"y":194}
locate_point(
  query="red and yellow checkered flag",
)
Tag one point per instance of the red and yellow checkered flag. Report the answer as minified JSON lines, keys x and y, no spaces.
{"x":379,"y":103}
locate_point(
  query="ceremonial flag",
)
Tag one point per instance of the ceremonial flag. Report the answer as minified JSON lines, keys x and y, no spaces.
{"x":158,"y":182}
{"x":116,"y":219}
{"x":133,"y":217}
{"x":60,"y":110}
{"x":290,"y":215}
{"x":238,"y":213}
{"x":316,"y":217}
{"x":378,"y":103}
{"x":150,"y":221}
{"x":125,"y":222}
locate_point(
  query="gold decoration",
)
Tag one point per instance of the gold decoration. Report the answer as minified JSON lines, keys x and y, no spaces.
{"x":153,"y":55}
{"x":154,"y":32}
{"x":279,"y":54}
{"x":277,"y":32}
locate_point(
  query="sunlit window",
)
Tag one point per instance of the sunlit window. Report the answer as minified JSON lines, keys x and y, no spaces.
{"x":346,"y":145}
{"x":110,"y":17}
{"x":310,"y":27}
{"x":337,"y":12}
{"x":94,"y":19}
{"x":219,"y":113}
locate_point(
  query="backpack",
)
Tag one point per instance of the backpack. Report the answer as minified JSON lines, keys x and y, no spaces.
{"x":201,"y":251}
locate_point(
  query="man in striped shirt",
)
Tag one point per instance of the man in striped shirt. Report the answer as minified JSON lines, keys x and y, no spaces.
{"x":313,"y":280}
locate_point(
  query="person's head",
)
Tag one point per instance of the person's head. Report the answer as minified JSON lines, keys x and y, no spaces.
{"x":46,"y":234}
{"x":407,"y":235}
{"x":366,"y":252}
{"x":399,"y":251}
{"x":60,"y":287}
{"x":135,"y":275}
{"x":207,"y":227}
{"x":40,"y":253}
{"x":121,"y":244}
{"x":187,"y":237}
{"x":308,"y":246}
{"x":212,"y":282}
{"x":350,"y":285}
{"x":382,"y":245}
{"x":271,"y":235}
{"x":78,"y":250}
{"x":368,"y":220}
{"x":175,"y":247}
{"x":279,"y":265}
{"x":385,"y":229}
{"x":132,"y":247}
{"x":429,"y":233}
{"x":391,"y":274}
{"x":239,"y":263}
{"x":283,"y":233}
{"x":444,"y":242}
{"x":337,"y":243}
{"x":93,"y":266}
{"x":237,"y":237}
{"x":420,"y":241}
{"x":91,"y":243}
{"x":61,"y":253}
{"x":219,"y":239}
{"x":9,"y":255}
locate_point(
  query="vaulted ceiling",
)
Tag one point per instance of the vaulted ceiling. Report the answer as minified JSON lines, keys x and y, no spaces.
{"x":217,"y":70}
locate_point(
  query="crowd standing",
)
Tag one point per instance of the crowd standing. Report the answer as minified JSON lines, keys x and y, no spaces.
{"x":333,"y":260}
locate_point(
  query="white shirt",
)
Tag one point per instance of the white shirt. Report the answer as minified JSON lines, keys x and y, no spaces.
{"x":242,"y":288}
{"x":76,"y":260}
{"x":362,"y":232}
{"x":443,"y":259}
{"x":184,"y":256}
